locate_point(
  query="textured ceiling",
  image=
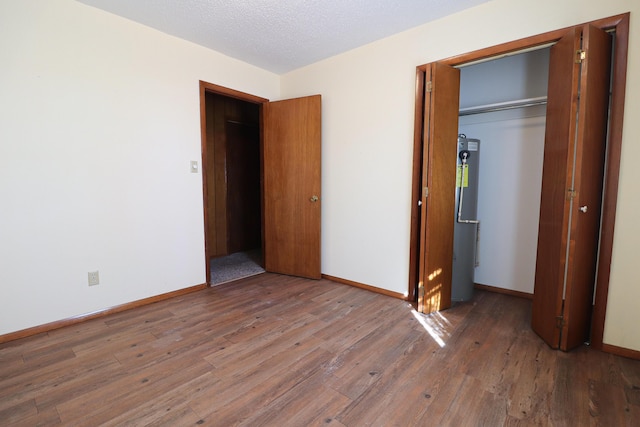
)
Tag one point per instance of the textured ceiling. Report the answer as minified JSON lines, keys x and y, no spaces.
{"x":282,"y":35}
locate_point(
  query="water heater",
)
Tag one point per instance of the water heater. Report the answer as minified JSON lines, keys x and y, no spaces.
{"x":465,"y":230}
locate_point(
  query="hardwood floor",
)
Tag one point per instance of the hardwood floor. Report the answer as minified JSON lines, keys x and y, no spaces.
{"x":281,"y":351}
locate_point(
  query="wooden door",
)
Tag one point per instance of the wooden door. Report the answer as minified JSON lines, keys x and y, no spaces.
{"x":575,"y":141}
{"x":438,"y":187}
{"x":291,"y":159}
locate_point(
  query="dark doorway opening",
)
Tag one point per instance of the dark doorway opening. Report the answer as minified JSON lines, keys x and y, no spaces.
{"x":232,"y":177}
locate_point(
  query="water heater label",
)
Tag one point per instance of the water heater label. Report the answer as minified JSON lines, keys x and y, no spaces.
{"x":472,"y":145}
{"x":459,"y":182}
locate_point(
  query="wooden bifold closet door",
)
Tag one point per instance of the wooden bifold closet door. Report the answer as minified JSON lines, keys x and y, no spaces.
{"x":440,"y":124}
{"x":572,"y":178}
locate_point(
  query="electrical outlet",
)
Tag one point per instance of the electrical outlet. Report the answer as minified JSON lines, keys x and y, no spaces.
{"x":94,"y":278}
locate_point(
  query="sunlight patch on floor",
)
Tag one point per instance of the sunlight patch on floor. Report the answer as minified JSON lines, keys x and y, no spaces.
{"x":435,"y":324}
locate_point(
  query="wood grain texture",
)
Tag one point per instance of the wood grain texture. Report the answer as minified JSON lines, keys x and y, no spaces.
{"x":590,"y":149}
{"x":41,"y":329}
{"x":440,"y":151}
{"x":503,"y":291}
{"x":416,"y":186}
{"x":292,"y":194}
{"x":557,"y":172}
{"x":216,"y":172}
{"x":612,"y":174}
{"x":283,"y":351}
{"x":368,"y":287}
{"x":232,"y":168}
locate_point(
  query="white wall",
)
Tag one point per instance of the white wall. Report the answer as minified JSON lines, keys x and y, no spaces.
{"x":99,"y":118}
{"x":368,"y":97}
{"x":511,"y":157}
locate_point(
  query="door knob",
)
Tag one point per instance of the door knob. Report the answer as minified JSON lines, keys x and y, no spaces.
{"x":583,"y":209}
{"x":313,"y":198}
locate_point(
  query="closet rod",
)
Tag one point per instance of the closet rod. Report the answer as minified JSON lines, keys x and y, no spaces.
{"x":500,"y":106}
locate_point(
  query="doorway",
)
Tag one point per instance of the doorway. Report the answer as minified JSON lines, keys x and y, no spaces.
{"x":438,"y":86}
{"x":503,"y":105}
{"x":286,"y":166}
{"x":231,"y":169}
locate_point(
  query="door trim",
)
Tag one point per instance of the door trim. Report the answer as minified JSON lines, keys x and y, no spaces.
{"x":205,"y":88}
{"x":618,"y":23}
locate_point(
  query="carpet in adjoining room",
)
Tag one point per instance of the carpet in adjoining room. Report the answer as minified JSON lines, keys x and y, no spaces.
{"x":236,"y":266}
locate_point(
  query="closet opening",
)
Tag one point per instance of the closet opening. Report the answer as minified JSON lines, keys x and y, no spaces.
{"x":502,"y":108}
{"x":232,"y":176}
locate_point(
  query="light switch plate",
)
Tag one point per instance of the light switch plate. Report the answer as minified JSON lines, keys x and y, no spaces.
{"x":194,"y":166}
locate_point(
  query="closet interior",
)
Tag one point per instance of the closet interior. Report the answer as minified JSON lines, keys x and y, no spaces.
{"x":503,"y":107}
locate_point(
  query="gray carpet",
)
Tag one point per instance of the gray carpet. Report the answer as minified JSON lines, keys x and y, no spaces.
{"x":236,"y":266}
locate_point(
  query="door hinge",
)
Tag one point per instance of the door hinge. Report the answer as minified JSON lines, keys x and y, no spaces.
{"x":571,"y":194}
{"x":580,"y":56}
{"x":426,"y":192}
{"x":560,"y":322}
{"x":428,"y":86}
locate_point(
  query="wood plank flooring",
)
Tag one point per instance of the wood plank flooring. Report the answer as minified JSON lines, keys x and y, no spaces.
{"x":275,"y":350}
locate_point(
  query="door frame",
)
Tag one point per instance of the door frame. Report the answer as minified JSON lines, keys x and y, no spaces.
{"x":618,"y":23}
{"x":205,"y":88}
